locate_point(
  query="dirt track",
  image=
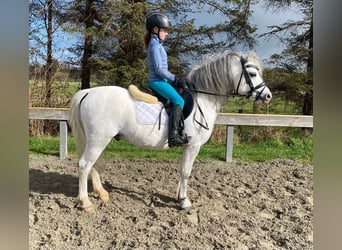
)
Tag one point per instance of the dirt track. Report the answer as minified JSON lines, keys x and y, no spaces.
{"x":235,"y":206}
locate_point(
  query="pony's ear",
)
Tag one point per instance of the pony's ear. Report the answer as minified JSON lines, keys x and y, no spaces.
{"x":252,"y":54}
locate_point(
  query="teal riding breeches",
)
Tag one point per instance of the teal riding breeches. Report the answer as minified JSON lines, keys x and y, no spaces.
{"x":164,"y":89}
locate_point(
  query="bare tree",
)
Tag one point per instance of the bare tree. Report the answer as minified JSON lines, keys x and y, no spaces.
{"x":41,"y":34}
{"x":49,"y":59}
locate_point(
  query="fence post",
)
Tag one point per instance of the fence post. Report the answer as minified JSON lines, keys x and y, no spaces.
{"x":229,"y":143}
{"x":63,"y":138}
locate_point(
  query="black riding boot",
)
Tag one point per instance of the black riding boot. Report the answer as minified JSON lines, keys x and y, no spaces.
{"x":176,"y":138}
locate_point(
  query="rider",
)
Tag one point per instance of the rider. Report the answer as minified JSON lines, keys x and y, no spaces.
{"x":161,"y":80}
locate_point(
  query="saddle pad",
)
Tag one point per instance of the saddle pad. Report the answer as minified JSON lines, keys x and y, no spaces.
{"x":148,"y":114}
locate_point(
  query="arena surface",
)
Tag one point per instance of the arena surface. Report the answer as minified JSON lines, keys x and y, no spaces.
{"x":260,"y":205}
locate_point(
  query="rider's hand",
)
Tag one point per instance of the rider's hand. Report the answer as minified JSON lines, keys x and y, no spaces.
{"x":180,"y":82}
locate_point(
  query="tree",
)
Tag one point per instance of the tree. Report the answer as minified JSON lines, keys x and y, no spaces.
{"x":112,"y":34}
{"x":188,"y":41}
{"x":298,"y":56}
{"x":84,"y":17}
{"x":120,"y":54}
{"x":43,"y":24}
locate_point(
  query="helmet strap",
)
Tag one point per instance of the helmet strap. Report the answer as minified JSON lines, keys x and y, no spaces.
{"x":157,"y":34}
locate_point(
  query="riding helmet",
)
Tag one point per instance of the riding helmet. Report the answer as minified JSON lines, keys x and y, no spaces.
{"x":157,"y":19}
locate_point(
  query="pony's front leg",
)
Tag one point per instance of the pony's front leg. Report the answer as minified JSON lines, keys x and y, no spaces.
{"x":188,"y":158}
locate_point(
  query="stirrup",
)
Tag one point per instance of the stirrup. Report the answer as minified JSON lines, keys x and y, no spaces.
{"x":177,"y":140}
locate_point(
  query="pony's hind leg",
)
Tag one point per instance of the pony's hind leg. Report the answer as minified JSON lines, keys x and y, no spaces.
{"x":84,"y":167}
{"x":91,"y":154}
{"x":97,"y":185}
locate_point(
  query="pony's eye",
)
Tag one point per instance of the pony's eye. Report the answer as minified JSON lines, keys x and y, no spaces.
{"x":252,"y":74}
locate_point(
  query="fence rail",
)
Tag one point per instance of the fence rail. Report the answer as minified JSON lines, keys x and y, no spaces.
{"x":228,"y":119}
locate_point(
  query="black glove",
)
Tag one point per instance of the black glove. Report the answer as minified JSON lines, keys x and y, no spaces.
{"x":180,"y":82}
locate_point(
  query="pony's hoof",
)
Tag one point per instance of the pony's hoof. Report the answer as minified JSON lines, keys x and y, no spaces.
{"x":187,"y":209}
{"x":104,"y":197}
{"x":89,"y":209}
{"x":185,"y":204}
{"x":86,"y":205}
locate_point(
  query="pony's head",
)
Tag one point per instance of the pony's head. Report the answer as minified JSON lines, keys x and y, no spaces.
{"x":250,"y":82}
{"x":227,"y":72}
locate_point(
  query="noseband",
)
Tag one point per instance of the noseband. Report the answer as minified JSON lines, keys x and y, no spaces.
{"x":249,"y":81}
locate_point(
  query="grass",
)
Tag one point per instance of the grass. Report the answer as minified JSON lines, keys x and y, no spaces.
{"x":296,"y":149}
{"x":300,"y":149}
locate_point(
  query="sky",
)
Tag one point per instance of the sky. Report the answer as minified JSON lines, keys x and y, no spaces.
{"x":262,"y":19}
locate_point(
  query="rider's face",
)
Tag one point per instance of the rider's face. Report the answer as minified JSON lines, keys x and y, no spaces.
{"x":163,"y":32}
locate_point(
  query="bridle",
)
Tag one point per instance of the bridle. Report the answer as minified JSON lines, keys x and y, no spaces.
{"x":248,"y":80}
{"x":192,"y":88}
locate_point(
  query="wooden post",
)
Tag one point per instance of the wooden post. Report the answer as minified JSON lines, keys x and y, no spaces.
{"x":63,"y":138}
{"x":229,"y":143}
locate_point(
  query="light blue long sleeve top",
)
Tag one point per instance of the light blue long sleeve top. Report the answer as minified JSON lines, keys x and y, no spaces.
{"x":157,"y":62}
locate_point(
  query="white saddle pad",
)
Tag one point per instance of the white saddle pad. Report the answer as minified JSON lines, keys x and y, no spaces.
{"x":148,"y":114}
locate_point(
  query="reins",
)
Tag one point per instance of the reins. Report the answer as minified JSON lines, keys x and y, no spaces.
{"x":193,"y":89}
{"x":206,"y":92}
{"x":202,"y":114}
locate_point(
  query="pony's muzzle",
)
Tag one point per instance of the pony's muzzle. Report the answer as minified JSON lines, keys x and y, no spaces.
{"x":265,"y":96}
{"x":268,"y":98}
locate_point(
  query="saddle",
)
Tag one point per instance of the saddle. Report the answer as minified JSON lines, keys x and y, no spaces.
{"x":149,"y":96}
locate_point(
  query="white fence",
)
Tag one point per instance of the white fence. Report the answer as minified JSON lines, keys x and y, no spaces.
{"x":228,"y":119}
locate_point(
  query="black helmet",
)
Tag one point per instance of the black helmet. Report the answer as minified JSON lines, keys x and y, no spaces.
{"x":157,"y":19}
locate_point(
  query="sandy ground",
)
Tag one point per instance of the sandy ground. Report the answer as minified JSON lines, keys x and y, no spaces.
{"x":265,"y":205}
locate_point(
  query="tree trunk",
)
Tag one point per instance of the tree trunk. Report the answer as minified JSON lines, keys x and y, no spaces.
{"x":49,"y":61}
{"x":86,"y":62}
{"x":308,"y":98}
{"x":88,"y":45}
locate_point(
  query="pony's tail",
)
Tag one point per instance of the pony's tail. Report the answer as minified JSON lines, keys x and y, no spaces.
{"x":75,"y":121}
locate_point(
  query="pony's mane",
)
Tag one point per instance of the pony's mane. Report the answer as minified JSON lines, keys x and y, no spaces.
{"x":214,"y":73}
